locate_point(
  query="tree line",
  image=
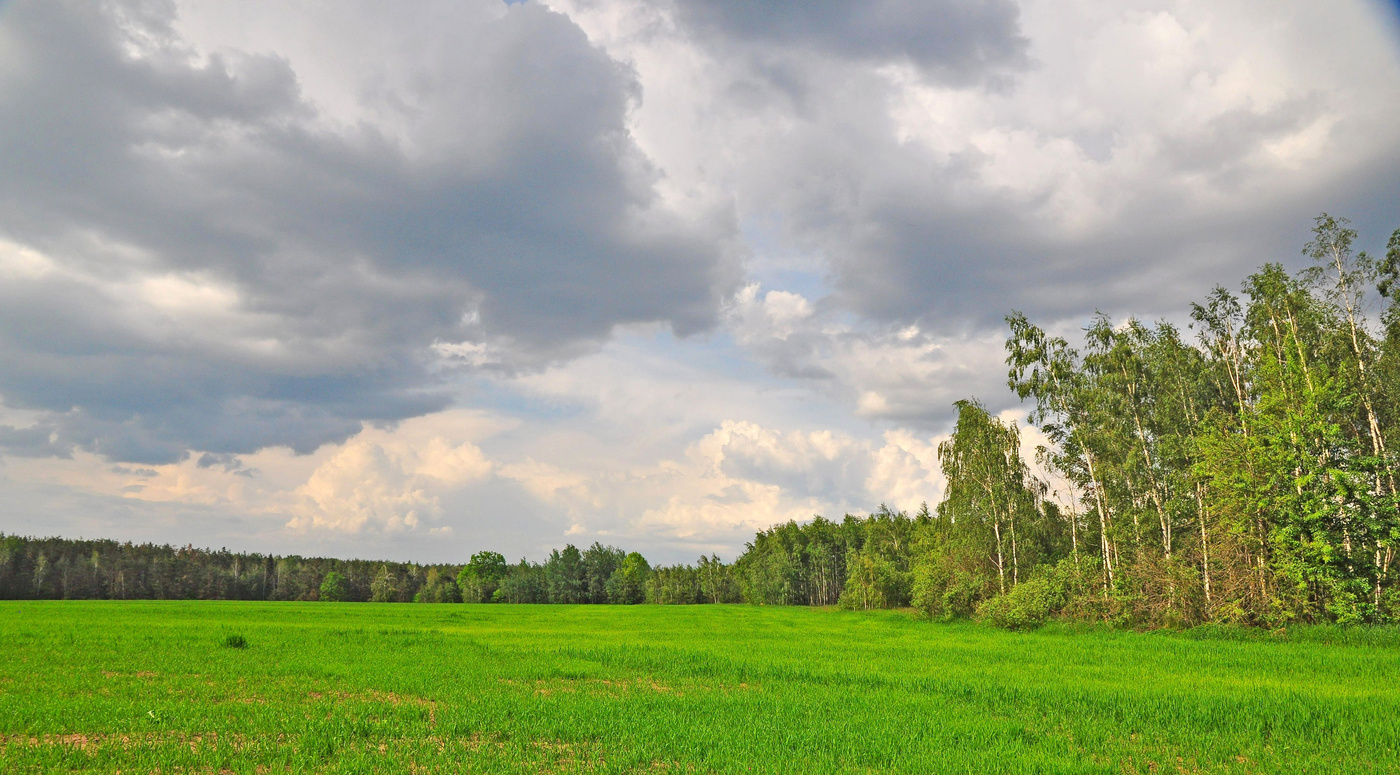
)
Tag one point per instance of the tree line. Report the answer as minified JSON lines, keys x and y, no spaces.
{"x":1242,"y":472}
{"x":66,"y":569}
{"x":861,"y":562}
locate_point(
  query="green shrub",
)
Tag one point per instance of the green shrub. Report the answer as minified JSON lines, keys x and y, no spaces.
{"x":1036,"y":600}
{"x":235,"y":642}
{"x":940,"y":592}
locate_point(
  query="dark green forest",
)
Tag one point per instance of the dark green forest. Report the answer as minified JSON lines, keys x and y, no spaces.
{"x":1241,"y":471}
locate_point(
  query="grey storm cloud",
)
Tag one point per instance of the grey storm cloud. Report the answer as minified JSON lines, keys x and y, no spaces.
{"x":1070,"y":158}
{"x":910,"y":232}
{"x":911,"y":253}
{"x":509,"y":206}
{"x":959,"y":41}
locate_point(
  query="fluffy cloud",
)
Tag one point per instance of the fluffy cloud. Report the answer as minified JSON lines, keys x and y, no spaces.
{"x":880,"y":371}
{"x":738,"y":478}
{"x":833,"y":468}
{"x":371,"y":486}
{"x":743,"y":477}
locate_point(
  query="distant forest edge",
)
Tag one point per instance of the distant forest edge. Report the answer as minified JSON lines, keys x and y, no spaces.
{"x":1248,"y":477}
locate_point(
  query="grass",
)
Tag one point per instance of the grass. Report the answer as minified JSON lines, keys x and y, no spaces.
{"x":320,"y":687}
{"x":235,"y":642}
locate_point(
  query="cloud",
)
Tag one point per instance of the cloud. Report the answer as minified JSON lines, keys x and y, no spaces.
{"x":1145,"y":153}
{"x":817,"y":463}
{"x":35,"y":441}
{"x":201,"y":255}
{"x":743,"y":477}
{"x":229,"y":463}
{"x":374,"y":487}
{"x":880,"y":371}
{"x":952,"y":40}
{"x":735,"y":479}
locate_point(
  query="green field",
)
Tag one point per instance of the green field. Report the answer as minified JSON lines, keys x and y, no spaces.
{"x":321,"y":687}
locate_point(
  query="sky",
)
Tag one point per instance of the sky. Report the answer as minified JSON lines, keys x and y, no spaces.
{"x":413,"y":281}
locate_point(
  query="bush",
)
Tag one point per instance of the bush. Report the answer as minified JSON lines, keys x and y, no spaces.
{"x":940,"y":592}
{"x":1034,"y":601}
{"x":235,"y":642}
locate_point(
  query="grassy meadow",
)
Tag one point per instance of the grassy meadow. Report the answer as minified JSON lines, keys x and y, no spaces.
{"x":99,"y":686}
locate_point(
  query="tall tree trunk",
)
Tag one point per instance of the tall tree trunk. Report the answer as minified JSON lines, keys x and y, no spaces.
{"x":1015,"y":560}
{"x":1094,"y":482}
{"x":1205,"y":544}
{"x":1074,"y":527}
{"x":1155,"y":488}
{"x":1103,"y":521}
{"x":1001,"y":564}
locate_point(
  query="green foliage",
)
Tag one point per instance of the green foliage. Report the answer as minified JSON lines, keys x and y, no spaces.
{"x":718,"y":581}
{"x":384,"y":588}
{"x":482,"y":577}
{"x":333,"y":587}
{"x":942,"y":590}
{"x":1251,"y":479}
{"x":600,"y":564}
{"x":1036,"y":600}
{"x":566,"y":576}
{"x":628,"y":583}
{"x":674,"y":585}
{"x":235,"y":642}
{"x":437,"y":588}
{"x":104,"y":569}
{"x":525,"y":584}
{"x":874,"y":581}
{"x":810,"y":564}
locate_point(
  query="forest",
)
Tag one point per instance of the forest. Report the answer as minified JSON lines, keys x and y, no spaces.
{"x":1242,"y":471}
